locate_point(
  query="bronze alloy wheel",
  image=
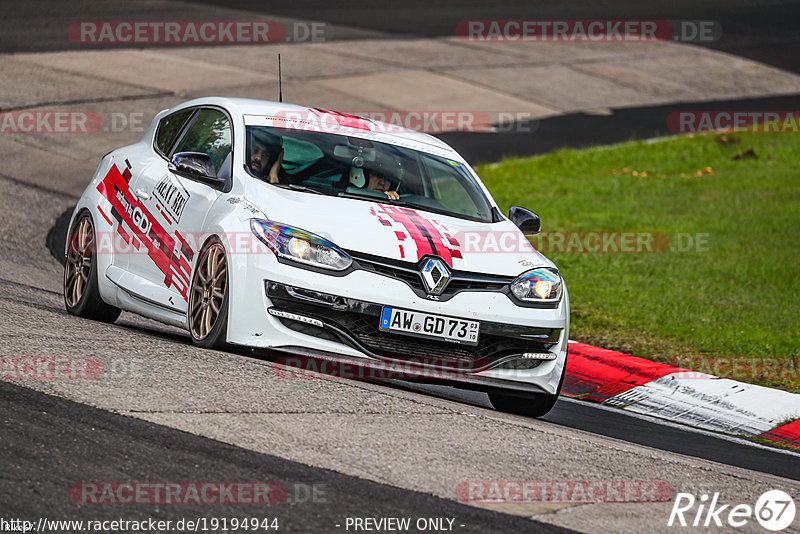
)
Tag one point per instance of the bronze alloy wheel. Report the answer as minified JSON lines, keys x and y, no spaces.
{"x":79,"y":262}
{"x":81,"y":291}
{"x":207,"y":298}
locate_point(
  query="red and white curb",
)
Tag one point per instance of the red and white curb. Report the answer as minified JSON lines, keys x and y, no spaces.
{"x":681,"y":395}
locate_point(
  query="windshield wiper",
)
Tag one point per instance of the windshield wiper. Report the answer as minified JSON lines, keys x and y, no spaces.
{"x":383,"y":198}
{"x":298,"y":187}
{"x":398,"y":202}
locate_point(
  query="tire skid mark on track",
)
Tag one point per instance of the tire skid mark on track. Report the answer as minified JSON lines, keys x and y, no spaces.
{"x":43,"y":307}
{"x":7,"y":282}
{"x":79,"y":101}
{"x":23,"y":183}
{"x":11,"y":286}
{"x":268,"y":412}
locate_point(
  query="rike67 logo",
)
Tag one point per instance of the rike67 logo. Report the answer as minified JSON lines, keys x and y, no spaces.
{"x":774,"y":510}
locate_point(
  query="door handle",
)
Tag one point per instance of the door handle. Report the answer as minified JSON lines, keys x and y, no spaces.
{"x":142,"y":194}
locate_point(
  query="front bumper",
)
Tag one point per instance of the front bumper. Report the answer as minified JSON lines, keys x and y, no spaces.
{"x":346,"y":328}
{"x":355,"y":323}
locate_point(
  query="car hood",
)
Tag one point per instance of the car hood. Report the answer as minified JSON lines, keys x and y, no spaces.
{"x":400,"y":233}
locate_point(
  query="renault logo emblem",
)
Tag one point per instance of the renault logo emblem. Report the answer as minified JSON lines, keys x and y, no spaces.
{"x":435,"y":274}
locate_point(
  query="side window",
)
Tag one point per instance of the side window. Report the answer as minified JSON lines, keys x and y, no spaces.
{"x":210,"y":133}
{"x":168,"y":129}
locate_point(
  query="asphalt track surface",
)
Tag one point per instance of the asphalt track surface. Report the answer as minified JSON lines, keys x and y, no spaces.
{"x":83,"y":444}
{"x":762,"y":31}
{"x":755,"y":30}
{"x":646,"y":431}
{"x":49,"y":442}
{"x":580,"y":130}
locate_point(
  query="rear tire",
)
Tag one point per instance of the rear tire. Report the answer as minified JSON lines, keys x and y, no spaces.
{"x":81,"y":294}
{"x":208,"y":298}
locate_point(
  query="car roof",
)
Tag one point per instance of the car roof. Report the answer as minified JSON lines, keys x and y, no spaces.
{"x":247,"y":108}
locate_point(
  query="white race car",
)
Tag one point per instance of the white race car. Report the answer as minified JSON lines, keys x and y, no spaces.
{"x":324,"y":235}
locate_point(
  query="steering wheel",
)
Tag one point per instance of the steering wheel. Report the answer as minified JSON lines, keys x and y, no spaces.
{"x":421,"y":200}
{"x":366,"y":193}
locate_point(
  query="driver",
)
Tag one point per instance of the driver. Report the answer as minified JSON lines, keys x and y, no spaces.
{"x":379,"y":182}
{"x":266,"y":158}
{"x":383,"y":178}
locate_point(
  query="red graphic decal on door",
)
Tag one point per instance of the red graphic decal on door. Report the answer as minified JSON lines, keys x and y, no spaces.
{"x":160,"y":245}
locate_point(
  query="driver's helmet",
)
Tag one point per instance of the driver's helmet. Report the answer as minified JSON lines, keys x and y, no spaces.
{"x":386,"y":166}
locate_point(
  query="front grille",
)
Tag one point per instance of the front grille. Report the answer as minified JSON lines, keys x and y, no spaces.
{"x":409,"y":273}
{"x":457,"y":285}
{"x":361,"y":327}
{"x":409,"y":276}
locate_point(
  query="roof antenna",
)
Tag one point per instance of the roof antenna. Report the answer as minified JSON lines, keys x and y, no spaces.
{"x":280,"y":84}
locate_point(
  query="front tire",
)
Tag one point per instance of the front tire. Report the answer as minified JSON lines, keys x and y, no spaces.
{"x":537,"y":405}
{"x":81,"y":294}
{"x":530,"y":406}
{"x":208,"y":298}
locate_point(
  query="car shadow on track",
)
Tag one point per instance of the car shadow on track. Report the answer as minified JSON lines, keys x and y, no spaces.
{"x":56,"y":239}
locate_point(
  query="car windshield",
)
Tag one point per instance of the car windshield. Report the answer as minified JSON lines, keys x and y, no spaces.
{"x":340,"y":165}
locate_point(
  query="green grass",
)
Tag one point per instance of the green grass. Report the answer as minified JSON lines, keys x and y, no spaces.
{"x":731,"y":307}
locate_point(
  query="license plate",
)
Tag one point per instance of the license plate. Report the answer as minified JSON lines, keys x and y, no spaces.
{"x":429,"y":326}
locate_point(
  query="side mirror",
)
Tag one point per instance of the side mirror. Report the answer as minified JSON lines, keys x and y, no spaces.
{"x":527,"y":221}
{"x":196,"y":166}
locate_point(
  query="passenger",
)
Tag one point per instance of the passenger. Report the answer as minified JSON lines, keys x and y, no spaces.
{"x":266,"y":159}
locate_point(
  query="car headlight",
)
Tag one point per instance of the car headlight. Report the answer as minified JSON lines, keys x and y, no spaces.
{"x":538,"y":285}
{"x":298,"y":245}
